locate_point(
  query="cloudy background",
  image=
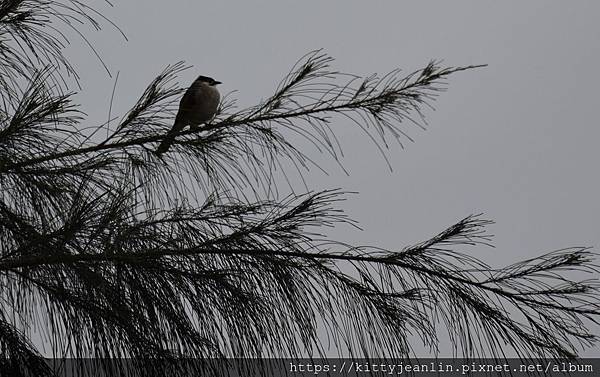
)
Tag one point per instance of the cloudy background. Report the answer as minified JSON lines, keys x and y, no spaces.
{"x":517,"y":140}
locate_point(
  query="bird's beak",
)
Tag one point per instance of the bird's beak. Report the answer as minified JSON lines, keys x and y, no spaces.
{"x":218,"y":82}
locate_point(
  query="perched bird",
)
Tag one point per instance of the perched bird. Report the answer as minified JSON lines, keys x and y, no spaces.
{"x":198,"y":105}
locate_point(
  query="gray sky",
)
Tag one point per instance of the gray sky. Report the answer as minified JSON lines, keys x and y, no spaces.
{"x":515,"y":140}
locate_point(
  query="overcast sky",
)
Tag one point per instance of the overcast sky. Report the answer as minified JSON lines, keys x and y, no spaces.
{"x":517,"y":140}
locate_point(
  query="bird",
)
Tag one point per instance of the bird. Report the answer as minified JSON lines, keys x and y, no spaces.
{"x":198,"y":105}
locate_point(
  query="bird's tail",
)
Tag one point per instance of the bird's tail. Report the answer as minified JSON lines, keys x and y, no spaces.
{"x":165,"y":144}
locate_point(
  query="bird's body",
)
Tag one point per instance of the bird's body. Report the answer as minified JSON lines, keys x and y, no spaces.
{"x":198,"y":105}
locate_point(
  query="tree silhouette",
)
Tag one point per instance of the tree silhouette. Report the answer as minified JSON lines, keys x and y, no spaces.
{"x":107,"y":250}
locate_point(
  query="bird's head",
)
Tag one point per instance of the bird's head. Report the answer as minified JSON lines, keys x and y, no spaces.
{"x":209,"y":80}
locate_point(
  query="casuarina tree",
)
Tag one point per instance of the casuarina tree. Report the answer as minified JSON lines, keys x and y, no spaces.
{"x":108,"y":250}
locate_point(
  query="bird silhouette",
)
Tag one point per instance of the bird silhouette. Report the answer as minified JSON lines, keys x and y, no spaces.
{"x":198,"y":105}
